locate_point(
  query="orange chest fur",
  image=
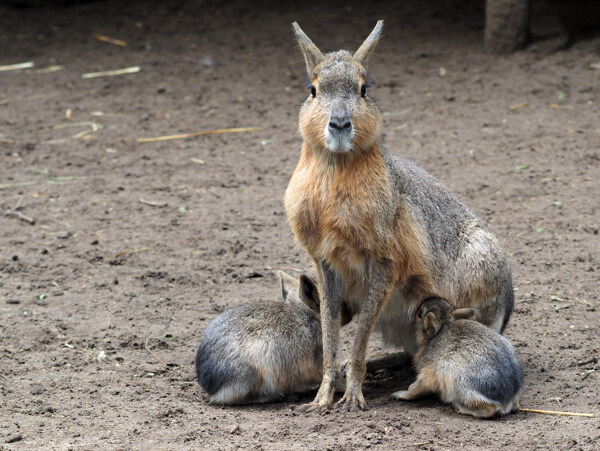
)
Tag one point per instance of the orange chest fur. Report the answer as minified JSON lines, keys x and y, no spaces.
{"x":335,"y":210}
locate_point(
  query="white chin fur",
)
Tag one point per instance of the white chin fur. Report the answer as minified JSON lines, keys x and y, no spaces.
{"x":339,"y":142}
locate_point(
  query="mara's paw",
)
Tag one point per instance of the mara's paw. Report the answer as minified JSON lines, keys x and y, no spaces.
{"x":306,"y":408}
{"x":401,"y":395}
{"x":322,"y":401}
{"x":352,"y":401}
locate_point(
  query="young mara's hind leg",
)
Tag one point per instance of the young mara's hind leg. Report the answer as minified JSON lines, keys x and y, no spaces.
{"x":417,"y":389}
{"x":478,"y":410}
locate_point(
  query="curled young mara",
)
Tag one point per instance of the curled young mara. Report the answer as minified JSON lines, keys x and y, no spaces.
{"x":382,"y":233}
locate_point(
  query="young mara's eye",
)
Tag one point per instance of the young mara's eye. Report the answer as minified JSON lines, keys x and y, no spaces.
{"x":363,"y":90}
{"x":313,"y":91}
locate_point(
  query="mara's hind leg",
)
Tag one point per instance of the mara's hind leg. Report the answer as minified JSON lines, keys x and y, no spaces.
{"x":482,"y":279}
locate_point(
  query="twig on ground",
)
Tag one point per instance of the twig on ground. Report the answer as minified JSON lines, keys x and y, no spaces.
{"x":560,"y":107}
{"x":518,"y":105}
{"x":153,"y":204}
{"x":56,"y":180}
{"x":583,"y":301}
{"x":13,"y":212}
{"x":86,"y":133}
{"x":554,"y":412}
{"x":192,"y":135}
{"x":131,"y":251}
{"x":23,"y":99}
{"x":50,"y":69}
{"x":94,"y":125}
{"x":112,"y":73}
{"x":148,"y":349}
{"x":94,"y":128}
{"x":103,"y":38}
{"x":16,"y":66}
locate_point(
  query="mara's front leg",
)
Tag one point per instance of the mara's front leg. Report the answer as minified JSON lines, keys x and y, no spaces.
{"x":381,"y":280}
{"x":331,"y":293}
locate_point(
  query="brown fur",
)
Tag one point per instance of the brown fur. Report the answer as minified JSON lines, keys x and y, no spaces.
{"x":367,"y":222}
{"x":336,"y":219}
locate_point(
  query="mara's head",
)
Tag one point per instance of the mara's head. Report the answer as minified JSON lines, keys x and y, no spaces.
{"x":339,"y":116}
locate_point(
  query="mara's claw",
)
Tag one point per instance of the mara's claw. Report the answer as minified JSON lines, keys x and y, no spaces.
{"x":352,"y":401}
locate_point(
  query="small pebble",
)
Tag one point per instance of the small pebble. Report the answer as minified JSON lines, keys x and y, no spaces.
{"x":63,"y":235}
{"x":14,"y":438}
{"x":38,"y":390}
{"x":13,"y":301}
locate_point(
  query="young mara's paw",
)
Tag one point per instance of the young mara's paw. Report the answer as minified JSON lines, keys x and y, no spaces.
{"x":401,"y":395}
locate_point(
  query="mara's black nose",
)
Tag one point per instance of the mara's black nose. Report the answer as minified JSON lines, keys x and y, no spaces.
{"x":340,"y":123}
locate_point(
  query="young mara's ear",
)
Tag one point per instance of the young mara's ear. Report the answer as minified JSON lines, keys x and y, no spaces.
{"x":312,"y":55}
{"x":431,"y":324}
{"x":464,"y":313}
{"x":363,"y":53}
{"x":288,"y":285}
{"x":309,"y":293}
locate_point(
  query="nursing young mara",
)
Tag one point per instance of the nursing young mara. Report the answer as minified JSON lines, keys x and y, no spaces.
{"x":383,"y":234}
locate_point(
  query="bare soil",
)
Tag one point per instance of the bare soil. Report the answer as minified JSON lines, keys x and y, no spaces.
{"x":137,"y":246}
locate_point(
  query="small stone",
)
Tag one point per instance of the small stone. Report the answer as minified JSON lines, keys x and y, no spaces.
{"x":13,"y":301}
{"x":63,"y":235}
{"x":14,"y":438}
{"x":37,"y":390}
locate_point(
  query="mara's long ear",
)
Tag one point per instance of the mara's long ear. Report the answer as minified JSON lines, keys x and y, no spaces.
{"x":465,"y":313}
{"x":289,"y":285}
{"x":309,"y":294}
{"x":312,"y":55}
{"x":363,"y":53}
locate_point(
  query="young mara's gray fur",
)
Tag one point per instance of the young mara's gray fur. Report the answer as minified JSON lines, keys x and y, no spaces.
{"x":468,"y":365}
{"x":260,"y":351}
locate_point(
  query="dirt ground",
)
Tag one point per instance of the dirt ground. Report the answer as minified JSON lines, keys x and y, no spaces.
{"x":137,"y":246}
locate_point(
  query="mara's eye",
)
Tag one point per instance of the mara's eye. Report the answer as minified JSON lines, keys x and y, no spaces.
{"x":363,"y":90}
{"x":313,"y":90}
